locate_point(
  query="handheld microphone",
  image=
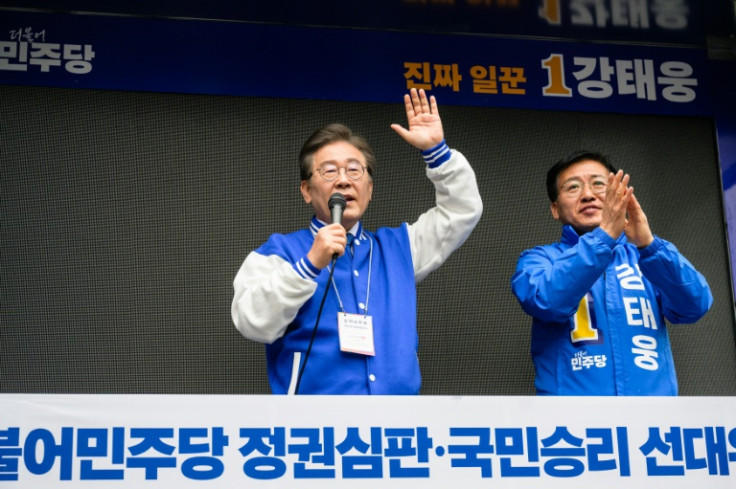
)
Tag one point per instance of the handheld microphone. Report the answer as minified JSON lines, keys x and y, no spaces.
{"x":337,"y":204}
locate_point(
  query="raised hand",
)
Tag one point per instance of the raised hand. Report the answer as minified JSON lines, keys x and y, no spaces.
{"x":423,"y":117}
{"x":637,"y":225}
{"x":615,"y":204}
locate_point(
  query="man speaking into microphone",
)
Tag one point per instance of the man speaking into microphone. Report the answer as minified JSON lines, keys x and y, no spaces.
{"x":335,"y":304}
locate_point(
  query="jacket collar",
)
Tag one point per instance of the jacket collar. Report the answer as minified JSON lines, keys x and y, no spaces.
{"x":357,"y":230}
{"x":570,"y":236}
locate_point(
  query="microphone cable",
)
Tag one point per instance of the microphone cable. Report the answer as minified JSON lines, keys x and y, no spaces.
{"x":314,"y":330}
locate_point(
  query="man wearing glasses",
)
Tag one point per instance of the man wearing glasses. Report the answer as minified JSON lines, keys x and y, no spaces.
{"x":600,"y":296}
{"x":336,"y":303}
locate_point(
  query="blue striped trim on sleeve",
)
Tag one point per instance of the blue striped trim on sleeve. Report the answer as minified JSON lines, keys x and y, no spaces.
{"x":305,"y":269}
{"x":437,"y":155}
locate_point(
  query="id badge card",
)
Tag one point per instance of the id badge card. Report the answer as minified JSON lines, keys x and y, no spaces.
{"x":356,"y":333}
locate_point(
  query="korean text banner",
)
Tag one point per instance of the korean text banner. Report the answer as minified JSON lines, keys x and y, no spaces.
{"x":664,"y":21}
{"x":263,"y":60}
{"x":349,"y":441}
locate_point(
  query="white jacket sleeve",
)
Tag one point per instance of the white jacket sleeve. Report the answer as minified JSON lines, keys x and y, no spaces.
{"x":444,"y":228}
{"x":268,"y":295}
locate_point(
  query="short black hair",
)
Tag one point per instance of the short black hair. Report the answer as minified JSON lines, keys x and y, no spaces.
{"x":569,"y":160}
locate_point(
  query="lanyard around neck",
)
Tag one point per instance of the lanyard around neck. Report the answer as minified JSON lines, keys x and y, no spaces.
{"x":368,"y":291}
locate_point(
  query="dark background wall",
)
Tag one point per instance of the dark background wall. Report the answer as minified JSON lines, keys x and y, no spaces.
{"x":126,"y":215}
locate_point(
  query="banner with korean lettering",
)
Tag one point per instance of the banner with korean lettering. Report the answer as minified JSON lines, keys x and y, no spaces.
{"x":663,"y":21}
{"x":242,"y":59}
{"x":197,"y":441}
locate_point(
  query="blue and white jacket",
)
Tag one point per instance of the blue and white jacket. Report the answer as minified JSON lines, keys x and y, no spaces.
{"x":278,"y":292}
{"x":599,"y":307}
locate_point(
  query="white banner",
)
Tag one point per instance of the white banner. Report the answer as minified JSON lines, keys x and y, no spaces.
{"x":203,"y":441}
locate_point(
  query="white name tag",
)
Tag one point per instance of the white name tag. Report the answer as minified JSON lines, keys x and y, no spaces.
{"x":356,"y":333}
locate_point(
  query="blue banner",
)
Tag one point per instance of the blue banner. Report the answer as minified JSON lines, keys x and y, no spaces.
{"x":670,"y":21}
{"x":263,"y":60}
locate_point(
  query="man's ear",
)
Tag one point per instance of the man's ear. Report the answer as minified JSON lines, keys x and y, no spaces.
{"x":555,"y":212}
{"x":304,"y":187}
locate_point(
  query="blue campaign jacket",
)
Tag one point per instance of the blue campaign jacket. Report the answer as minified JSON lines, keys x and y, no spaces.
{"x":277,"y":292}
{"x":391,"y":303}
{"x":599,"y":307}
